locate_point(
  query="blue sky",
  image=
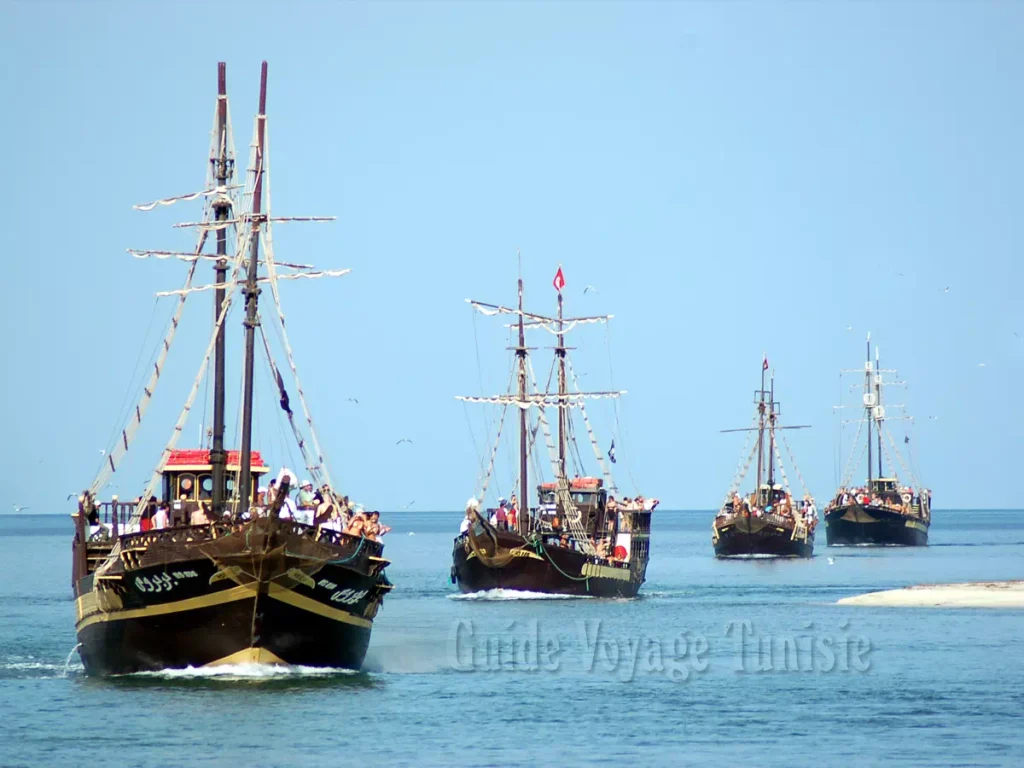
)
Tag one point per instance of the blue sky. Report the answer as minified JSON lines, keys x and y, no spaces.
{"x":733,"y":178}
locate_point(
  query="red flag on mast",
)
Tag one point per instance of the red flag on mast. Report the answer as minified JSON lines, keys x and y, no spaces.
{"x":764,"y":366}
{"x":559,"y":281}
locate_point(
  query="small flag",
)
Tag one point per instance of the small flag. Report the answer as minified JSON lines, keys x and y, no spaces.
{"x":611,"y":452}
{"x":559,"y":281}
{"x":906,"y":439}
{"x":285,"y":406}
{"x":764,"y":366}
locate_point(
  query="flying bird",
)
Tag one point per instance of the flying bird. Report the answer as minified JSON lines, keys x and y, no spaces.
{"x":404,"y":440}
{"x":933,"y":418}
{"x":102,"y":452}
{"x":946,"y":290}
{"x":18,"y":508}
{"x":831,"y":561}
{"x":409,"y":504}
{"x":353,"y":400}
{"x":849,"y":327}
{"x":591,"y":288}
{"x":981,"y":365}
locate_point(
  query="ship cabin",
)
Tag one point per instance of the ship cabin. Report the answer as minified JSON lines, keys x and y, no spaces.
{"x":886,"y":488}
{"x":769,"y":496}
{"x":587,"y":494}
{"x":188,"y":479}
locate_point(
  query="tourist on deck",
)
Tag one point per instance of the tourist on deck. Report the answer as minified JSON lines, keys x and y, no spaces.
{"x":306,"y":495}
{"x":512,"y":514}
{"x":472,"y":506}
{"x":162,"y":516}
{"x":374,"y":530}
{"x":356,"y":526}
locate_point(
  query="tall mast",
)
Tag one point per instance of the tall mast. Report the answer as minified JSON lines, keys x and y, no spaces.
{"x":524,"y":485}
{"x":771,"y":433}
{"x":760,"y":427}
{"x":562,"y":412}
{"x":868,"y":415}
{"x":878,"y":403}
{"x":221,"y":206}
{"x":251,"y":292}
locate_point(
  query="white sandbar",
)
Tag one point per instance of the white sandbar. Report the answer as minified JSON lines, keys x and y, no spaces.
{"x":977,"y":594}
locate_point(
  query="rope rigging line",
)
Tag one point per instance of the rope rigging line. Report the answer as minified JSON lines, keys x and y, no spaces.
{"x":268,"y":244}
{"x":740,"y":474}
{"x":605,"y":471}
{"x":848,"y":470}
{"x":782,"y":468}
{"x":796,"y":467}
{"x":742,"y":466}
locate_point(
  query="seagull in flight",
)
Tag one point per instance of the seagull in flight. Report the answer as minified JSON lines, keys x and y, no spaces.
{"x":409,"y":504}
{"x":591,"y":288}
{"x":981,"y":365}
{"x":946,"y":290}
{"x":404,"y":440}
{"x":831,"y":561}
{"x":849,"y":327}
{"x":102,"y":452}
{"x":353,"y":400}
{"x":18,"y":508}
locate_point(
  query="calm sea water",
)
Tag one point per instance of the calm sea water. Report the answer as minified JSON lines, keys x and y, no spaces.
{"x":719,"y":663}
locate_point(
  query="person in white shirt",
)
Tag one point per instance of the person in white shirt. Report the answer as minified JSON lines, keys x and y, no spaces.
{"x":162,"y":518}
{"x":472,"y":507}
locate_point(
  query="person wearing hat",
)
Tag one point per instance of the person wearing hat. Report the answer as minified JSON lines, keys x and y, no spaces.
{"x":472,"y":507}
{"x":306,"y":495}
{"x":500,"y":517}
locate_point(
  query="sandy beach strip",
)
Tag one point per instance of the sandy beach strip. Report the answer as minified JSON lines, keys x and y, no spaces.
{"x":977,"y":594}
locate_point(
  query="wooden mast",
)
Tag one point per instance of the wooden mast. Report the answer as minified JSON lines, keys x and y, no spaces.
{"x":251,"y":293}
{"x":562,"y":411}
{"x":771,"y":436}
{"x":878,"y":404}
{"x":220,"y":161}
{"x":868,"y":415}
{"x":524,"y":485}
{"x":760,"y":429}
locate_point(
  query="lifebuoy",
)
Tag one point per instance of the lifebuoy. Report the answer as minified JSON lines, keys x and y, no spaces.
{"x":906,"y":498}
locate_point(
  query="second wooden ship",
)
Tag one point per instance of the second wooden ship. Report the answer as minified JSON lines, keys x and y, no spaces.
{"x":767,"y":522}
{"x":578,"y":539}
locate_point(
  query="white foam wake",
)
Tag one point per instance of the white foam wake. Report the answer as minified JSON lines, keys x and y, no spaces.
{"x":514,"y":594}
{"x":245,"y":672}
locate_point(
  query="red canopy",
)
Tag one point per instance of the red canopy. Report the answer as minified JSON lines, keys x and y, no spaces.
{"x":198,"y":459}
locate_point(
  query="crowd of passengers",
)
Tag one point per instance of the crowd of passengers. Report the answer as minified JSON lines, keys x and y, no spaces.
{"x":783,"y":505}
{"x":904,"y":501}
{"x":311,"y":507}
{"x":547,"y":523}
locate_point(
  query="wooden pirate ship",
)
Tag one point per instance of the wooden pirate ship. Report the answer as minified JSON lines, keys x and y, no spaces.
{"x":217,"y":575}
{"x":767,"y":521}
{"x":885,"y":510}
{"x":577,"y":539}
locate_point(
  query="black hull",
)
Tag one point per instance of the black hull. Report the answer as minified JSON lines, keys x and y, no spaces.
{"x":854,"y":525}
{"x":747,"y":537}
{"x":199,"y":612}
{"x":555,"y":570}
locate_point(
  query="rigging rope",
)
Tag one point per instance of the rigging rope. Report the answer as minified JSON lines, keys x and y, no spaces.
{"x":796,"y":468}
{"x":742,"y":466}
{"x":848,"y":470}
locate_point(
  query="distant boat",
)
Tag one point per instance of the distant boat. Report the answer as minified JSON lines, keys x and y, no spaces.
{"x":576,"y":540}
{"x":211,"y":572}
{"x":767,"y":521}
{"x":886,"y":509}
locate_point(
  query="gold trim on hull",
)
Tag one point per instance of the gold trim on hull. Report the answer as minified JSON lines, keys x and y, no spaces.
{"x":193,"y":603}
{"x":249,"y":656}
{"x":88,"y":613}
{"x":296,"y":600}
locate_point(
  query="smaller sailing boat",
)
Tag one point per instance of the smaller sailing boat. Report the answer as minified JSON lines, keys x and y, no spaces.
{"x":578,"y":539}
{"x":884,"y":510}
{"x":766,"y":522}
{"x":214,"y":571}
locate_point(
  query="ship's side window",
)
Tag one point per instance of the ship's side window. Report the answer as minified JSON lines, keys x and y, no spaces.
{"x":186,"y":487}
{"x":205,"y":486}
